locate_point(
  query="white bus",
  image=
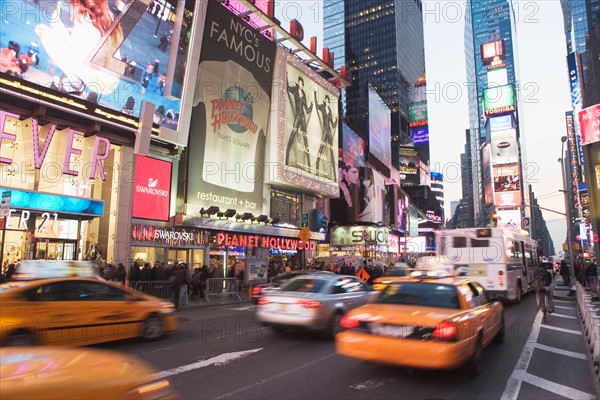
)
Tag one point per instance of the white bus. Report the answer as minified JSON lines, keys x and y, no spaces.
{"x":502,"y":261}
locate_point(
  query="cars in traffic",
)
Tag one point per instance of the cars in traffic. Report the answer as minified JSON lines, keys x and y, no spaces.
{"x":79,"y":311}
{"x":426,"y":322}
{"x":78,"y":373}
{"x":315,"y":302}
{"x":277,"y":281}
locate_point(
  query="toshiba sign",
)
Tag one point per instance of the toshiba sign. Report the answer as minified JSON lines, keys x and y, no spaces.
{"x":152,"y":188}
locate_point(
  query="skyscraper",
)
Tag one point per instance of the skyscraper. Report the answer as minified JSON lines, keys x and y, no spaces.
{"x":490,"y":40}
{"x":383,"y":42}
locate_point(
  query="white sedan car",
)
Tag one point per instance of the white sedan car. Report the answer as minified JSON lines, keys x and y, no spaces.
{"x":315,"y":302}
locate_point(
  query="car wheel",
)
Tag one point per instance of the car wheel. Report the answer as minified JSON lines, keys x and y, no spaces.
{"x":20,"y":338}
{"x":474,"y":364}
{"x":154,"y":328}
{"x":499,"y":338}
{"x":334,"y":326}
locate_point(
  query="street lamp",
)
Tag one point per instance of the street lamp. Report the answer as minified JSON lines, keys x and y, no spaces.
{"x":567,"y":208}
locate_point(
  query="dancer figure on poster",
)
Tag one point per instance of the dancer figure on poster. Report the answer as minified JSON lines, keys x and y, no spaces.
{"x":326,"y":156}
{"x":301,"y":112}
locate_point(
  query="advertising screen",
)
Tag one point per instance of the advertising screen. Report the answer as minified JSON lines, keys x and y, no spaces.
{"x":409,"y":164}
{"x":504,"y":147}
{"x":491,"y":50}
{"x":509,"y":219}
{"x":311,"y":116}
{"x":417,"y":112}
{"x":501,"y":123}
{"x":353,"y":148}
{"x":152,"y":188}
{"x":497,"y":77}
{"x":380,"y":142}
{"x":507,"y":185}
{"x":230,"y":115}
{"x":420,"y":136}
{"x":362,"y":195}
{"x":499,"y":100}
{"x":487,"y":175}
{"x":589,"y":124}
{"x":117,"y":60}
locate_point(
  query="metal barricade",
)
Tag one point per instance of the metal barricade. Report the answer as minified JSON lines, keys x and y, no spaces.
{"x":160,"y":289}
{"x":222,"y":287}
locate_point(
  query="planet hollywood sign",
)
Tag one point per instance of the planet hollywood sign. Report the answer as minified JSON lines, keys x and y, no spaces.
{"x":269,"y":242}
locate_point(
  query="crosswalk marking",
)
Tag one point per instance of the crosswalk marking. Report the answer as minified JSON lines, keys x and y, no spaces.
{"x":562,"y":352}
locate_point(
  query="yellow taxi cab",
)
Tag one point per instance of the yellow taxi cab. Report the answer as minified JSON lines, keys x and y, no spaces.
{"x":44,"y":373}
{"x":428,"y":321}
{"x":78,"y":311}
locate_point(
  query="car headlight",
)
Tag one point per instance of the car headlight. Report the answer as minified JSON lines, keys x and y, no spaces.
{"x":151,"y":391}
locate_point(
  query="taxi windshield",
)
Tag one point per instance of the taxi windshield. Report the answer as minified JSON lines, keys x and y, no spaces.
{"x":428,"y":294}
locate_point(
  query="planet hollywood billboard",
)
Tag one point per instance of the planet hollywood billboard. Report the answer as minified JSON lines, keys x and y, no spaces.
{"x":230,"y":115}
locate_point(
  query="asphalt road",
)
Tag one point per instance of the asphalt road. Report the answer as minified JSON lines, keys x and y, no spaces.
{"x":221,"y":352}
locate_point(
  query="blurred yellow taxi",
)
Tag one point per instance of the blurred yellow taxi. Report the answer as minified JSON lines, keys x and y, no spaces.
{"x":44,"y":373}
{"x":425,"y":321}
{"x":79,"y":311}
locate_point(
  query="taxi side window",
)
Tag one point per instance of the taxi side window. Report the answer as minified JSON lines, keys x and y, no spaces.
{"x":59,"y":291}
{"x":482,"y":293}
{"x":92,"y":291}
{"x":348,"y":285}
{"x":478,"y":297}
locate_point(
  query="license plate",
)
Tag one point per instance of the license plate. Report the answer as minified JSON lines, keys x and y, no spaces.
{"x":397,"y":331}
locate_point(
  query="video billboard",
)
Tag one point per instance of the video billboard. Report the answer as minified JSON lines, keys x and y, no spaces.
{"x":152,"y":188}
{"x":500,"y":123}
{"x":507,"y":185}
{"x":504,"y":147}
{"x":417,"y":113}
{"x":409,"y":164}
{"x":353,"y":148}
{"x":311,"y":132}
{"x":420,"y":136}
{"x":380,"y":128}
{"x":230,"y":115}
{"x":509,"y":219}
{"x":499,"y":100}
{"x":487,"y":175}
{"x":589,"y":124}
{"x":491,"y":50}
{"x":116,"y":60}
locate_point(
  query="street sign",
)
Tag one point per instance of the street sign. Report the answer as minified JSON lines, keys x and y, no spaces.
{"x":5,"y":207}
{"x":304,"y":234}
{"x":304,"y":220}
{"x":363,"y":275}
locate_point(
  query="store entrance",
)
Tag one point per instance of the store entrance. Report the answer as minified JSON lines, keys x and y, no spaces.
{"x":54,"y":249}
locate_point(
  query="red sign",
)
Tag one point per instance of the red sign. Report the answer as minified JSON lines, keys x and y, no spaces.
{"x":152,"y":188}
{"x":589,"y":123}
{"x":269,"y":242}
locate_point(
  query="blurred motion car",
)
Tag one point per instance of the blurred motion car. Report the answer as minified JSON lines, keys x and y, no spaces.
{"x":425,"y":321}
{"x":70,"y":373}
{"x":79,"y":311}
{"x":279,"y":280}
{"x":397,"y":270}
{"x":314,"y":302}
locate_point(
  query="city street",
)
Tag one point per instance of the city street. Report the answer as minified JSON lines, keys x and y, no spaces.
{"x":221,"y":352}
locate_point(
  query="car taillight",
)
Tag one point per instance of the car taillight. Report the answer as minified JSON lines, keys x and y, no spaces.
{"x":445,"y":331}
{"x":348,"y":322}
{"x":309,"y":303}
{"x":262,"y":301}
{"x":255,"y":291}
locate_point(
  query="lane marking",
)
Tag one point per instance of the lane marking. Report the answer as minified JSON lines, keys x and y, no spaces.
{"x":372,"y":384}
{"x":217,"y":360}
{"x":562,"y":316}
{"x":561,"y":390}
{"x":556,"y":328}
{"x":565,"y":308}
{"x":561,"y":351}
{"x":274,"y":377}
{"x":563,"y":301}
{"x":243,"y":308}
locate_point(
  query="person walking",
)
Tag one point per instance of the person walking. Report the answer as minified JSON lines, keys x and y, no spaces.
{"x":564,"y":272}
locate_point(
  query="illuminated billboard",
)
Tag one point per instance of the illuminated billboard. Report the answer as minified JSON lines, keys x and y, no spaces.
{"x":409,"y":164}
{"x":230,"y":115}
{"x":487,"y":175}
{"x":303,"y":149}
{"x":152,"y":188}
{"x":504,"y":147}
{"x":420,"y":136}
{"x":501,"y":123}
{"x":117,"y":60}
{"x":497,"y":77}
{"x":353,"y":148}
{"x":491,"y":51}
{"x":380,"y":128}
{"x":509,"y":219}
{"x":417,"y":113}
{"x":311,"y":125}
{"x":589,"y":124}
{"x":507,"y":185}
{"x":499,"y":100}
